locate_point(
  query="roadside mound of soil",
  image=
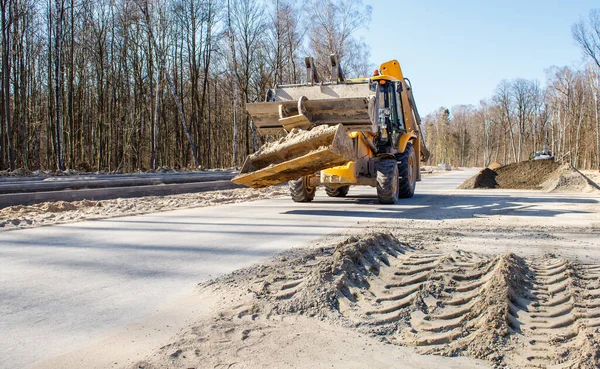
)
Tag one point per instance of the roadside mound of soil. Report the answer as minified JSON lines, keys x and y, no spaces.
{"x":527,"y":175}
{"x":569,"y":179}
{"x":543,"y":175}
{"x":484,"y":179}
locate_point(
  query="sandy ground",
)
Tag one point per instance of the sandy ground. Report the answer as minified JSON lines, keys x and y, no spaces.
{"x":49,"y":213}
{"x":515,"y":288}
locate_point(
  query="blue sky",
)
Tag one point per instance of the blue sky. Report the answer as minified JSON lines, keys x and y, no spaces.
{"x":456,"y":52}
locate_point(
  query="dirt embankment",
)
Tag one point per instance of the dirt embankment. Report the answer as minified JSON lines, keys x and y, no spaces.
{"x":512,"y":311}
{"x":48,"y":213}
{"x":529,"y":175}
{"x":543,"y":175}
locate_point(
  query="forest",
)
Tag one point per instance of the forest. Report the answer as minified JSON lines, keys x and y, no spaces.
{"x":127,"y":85}
{"x":522,"y":116}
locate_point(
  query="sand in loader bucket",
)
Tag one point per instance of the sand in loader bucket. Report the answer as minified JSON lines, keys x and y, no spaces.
{"x":542,"y":175}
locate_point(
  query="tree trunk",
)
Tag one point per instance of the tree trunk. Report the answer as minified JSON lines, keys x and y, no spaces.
{"x":58,"y":83}
{"x":6,"y":19}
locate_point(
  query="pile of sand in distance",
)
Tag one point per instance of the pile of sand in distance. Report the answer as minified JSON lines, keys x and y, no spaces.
{"x":542,"y":175}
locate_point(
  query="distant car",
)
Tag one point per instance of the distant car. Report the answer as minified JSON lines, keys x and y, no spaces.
{"x":543,"y":156}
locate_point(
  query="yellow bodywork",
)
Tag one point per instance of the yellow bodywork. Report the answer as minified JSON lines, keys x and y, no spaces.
{"x":345,"y":174}
{"x":348,"y":173}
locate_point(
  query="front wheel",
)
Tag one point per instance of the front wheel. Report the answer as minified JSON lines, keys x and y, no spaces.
{"x":387,"y":181}
{"x":407,"y":170}
{"x":301,"y":191}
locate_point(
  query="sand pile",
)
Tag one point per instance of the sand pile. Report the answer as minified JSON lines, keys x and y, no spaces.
{"x":543,"y":175}
{"x":512,"y":311}
{"x":567,"y":179}
{"x":527,"y":175}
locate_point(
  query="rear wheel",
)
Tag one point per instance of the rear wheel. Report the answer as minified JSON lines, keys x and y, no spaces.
{"x":387,"y":181}
{"x":301,"y":191}
{"x":337,"y":191}
{"x":407,"y":170}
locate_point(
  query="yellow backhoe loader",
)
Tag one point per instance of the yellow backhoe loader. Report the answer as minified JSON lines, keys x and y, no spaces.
{"x":340,"y":133}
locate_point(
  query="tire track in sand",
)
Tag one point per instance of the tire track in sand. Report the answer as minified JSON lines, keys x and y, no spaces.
{"x":522,"y":312}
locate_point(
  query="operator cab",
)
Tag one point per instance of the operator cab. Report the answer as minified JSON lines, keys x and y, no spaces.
{"x":390,"y":118}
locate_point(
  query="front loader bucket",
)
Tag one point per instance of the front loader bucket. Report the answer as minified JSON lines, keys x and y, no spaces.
{"x":300,"y":153}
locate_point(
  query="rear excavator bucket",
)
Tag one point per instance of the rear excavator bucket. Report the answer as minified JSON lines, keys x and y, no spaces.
{"x":306,"y":106}
{"x":298,"y":154}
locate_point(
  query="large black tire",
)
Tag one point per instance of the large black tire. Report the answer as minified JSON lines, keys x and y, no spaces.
{"x":387,"y":181}
{"x":407,"y":171}
{"x":301,"y":191}
{"x":337,"y":191}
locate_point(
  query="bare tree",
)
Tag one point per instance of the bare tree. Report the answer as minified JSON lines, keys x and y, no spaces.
{"x":7,"y":13}
{"x":59,"y":8}
{"x":248,"y":26}
{"x":487,"y":122}
{"x":233,"y":64}
{"x":587,"y":35}
{"x":332,"y":28}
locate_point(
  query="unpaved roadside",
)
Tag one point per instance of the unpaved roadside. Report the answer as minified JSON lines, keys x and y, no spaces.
{"x":49,"y":213}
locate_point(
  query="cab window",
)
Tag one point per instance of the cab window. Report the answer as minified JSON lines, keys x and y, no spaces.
{"x":389,"y":99}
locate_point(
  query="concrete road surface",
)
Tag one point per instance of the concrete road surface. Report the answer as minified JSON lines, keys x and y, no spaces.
{"x":65,"y":287}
